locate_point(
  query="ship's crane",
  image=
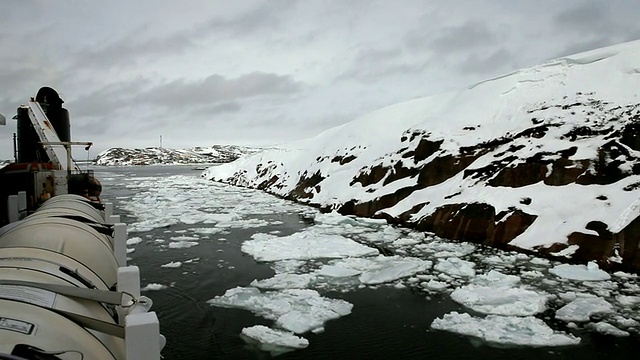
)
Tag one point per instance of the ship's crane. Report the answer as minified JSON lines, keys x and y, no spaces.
{"x":44,"y":164}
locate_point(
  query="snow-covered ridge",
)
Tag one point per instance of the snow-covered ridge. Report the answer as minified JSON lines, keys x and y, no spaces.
{"x":543,"y":159}
{"x":157,"y":155}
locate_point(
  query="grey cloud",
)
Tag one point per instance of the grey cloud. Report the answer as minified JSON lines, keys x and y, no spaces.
{"x":452,"y":39}
{"x":108,"y":99}
{"x":267,"y":16}
{"x":616,"y":21}
{"x":218,"y":89}
{"x":496,"y":62}
{"x":589,"y":17}
{"x":130,"y":52}
{"x":582,"y":46}
{"x":378,"y":63}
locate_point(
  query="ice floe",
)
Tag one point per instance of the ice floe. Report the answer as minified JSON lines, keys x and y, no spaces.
{"x":172,"y":265}
{"x":153,"y":287}
{"x":504,"y":330}
{"x":608,"y":329}
{"x":182,"y":244}
{"x":337,"y":271}
{"x":589,"y":272}
{"x":456,"y":267}
{"x":581,"y":309}
{"x":296,"y":310}
{"x":383,"y":269}
{"x":284,"y":281}
{"x":133,"y":241}
{"x":274,"y":341}
{"x":303,"y":245}
{"x":496,"y":294}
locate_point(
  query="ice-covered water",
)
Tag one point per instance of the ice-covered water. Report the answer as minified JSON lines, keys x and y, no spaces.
{"x":235,"y":273}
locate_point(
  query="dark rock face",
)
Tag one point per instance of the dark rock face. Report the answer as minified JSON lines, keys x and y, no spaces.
{"x":476,"y":222}
{"x":301,"y":190}
{"x":628,"y":241}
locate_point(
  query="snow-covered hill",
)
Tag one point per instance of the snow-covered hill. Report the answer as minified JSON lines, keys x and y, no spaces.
{"x":544,"y":159}
{"x":156,"y":155}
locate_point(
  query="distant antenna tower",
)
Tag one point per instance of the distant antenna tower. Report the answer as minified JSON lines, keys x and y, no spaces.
{"x":161,"y":141}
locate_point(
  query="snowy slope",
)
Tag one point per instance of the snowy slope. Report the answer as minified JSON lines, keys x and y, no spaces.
{"x":539,"y":159}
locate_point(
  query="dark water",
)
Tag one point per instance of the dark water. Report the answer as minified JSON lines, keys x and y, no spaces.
{"x":385,"y":323}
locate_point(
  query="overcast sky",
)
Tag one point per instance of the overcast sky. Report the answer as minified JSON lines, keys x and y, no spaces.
{"x":200,"y":73}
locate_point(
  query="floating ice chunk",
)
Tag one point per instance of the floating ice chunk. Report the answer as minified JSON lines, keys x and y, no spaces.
{"x":284,"y":281}
{"x":628,"y":300}
{"x":624,"y":322}
{"x":208,"y":231}
{"x":334,"y":218}
{"x":607,"y":329}
{"x":504,"y":259}
{"x":456,"y":267}
{"x":504,"y":330}
{"x":182,"y":244}
{"x":172,"y":265}
{"x":337,"y":271}
{"x":382,"y":269}
{"x":154,"y":287}
{"x":386,"y":234}
{"x":500,"y":300}
{"x":540,"y":261}
{"x":130,"y":250}
{"x":589,"y":272}
{"x":532,"y":274}
{"x":287,"y":266}
{"x":435,"y":285}
{"x":274,"y":341}
{"x":304,"y":245}
{"x":624,"y":275}
{"x":496,"y":278}
{"x":184,"y":238}
{"x":446,"y":249}
{"x":580,"y":309}
{"x":134,"y":241}
{"x":406,"y":242}
{"x":297,"y":310}
{"x":392,"y":273}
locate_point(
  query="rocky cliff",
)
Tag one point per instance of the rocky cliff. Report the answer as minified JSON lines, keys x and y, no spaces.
{"x":544,"y":160}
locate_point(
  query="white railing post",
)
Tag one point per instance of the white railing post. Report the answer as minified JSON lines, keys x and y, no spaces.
{"x":22,"y":204}
{"x":108,"y":210}
{"x":120,"y":243}
{"x":142,"y":336}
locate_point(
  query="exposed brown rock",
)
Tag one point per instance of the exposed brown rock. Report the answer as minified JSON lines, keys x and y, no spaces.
{"x":268,"y":183}
{"x":442,"y":168}
{"x":628,"y":241}
{"x":631,"y":136}
{"x":343,"y":159}
{"x":425,"y":149}
{"x":369,"y":208}
{"x":515,"y":223}
{"x":370,"y":176}
{"x":593,"y":247}
{"x":304,"y":183}
{"x":400,"y":172}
